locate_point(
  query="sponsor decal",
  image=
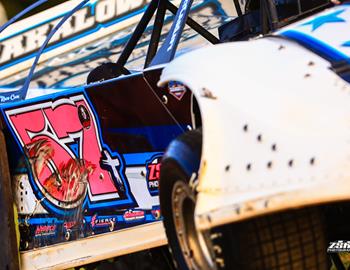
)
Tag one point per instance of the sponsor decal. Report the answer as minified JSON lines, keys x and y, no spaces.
{"x":88,"y":19}
{"x":153,"y":174}
{"x":134,"y":215}
{"x":71,"y":227}
{"x":45,"y":230}
{"x":177,"y":89}
{"x":84,"y":117}
{"x":178,"y":23}
{"x":69,"y":224}
{"x":156,"y":214}
{"x":11,"y":97}
{"x":69,"y":163}
{"x":103,"y":222}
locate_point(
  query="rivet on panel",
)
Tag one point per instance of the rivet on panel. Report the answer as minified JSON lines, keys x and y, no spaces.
{"x":274,"y":147}
{"x":259,"y":138}
{"x":312,"y":161}
{"x":290,"y":163}
{"x":209,"y":218}
{"x":269,"y":165}
{"x":266,"y":204}
{"x":238,"y":210}
{"x":245,"y":128}
{"x":249,"y":167}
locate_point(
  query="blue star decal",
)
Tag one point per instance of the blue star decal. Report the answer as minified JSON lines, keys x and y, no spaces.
{"x":321,"y":20}
{"x":346,"y":44}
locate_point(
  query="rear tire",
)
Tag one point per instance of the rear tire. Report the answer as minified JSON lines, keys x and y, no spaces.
{"x":293,"y":240}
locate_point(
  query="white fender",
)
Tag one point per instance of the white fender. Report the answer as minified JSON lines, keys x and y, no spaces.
{"x":276,"y":128}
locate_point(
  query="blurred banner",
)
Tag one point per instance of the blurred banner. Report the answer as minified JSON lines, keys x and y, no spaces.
{"x":95,"y":34}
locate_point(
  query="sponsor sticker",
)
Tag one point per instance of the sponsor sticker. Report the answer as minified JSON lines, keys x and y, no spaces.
{"x":153,"y":174}
{"x":45,"y":230}
{"x":177,"y":89}
{"x":103,"y":222}
{"x":134,"y":215}
{"x":156,"y":214}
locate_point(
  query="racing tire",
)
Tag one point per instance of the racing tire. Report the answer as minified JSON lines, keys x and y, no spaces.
{"x":179,"y":168}
{"x":293,"y":240}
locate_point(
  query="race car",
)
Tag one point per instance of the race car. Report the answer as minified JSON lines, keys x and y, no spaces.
{"x":245,"y":142}
{"x":262,"y":180}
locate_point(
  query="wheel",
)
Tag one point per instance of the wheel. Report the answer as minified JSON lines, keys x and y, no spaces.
{"x":293,"y":240}
{"x":190,"y":250}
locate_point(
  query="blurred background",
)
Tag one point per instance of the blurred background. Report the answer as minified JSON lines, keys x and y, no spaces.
{"x":9,"y":8}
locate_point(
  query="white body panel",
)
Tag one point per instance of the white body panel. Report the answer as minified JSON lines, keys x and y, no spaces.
{"x":96,"y":248}
{"x":276,"y":128}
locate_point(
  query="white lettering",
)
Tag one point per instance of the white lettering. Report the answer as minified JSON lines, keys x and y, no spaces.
{"x":30,"y":41}
{"x":177,"y":26}
{"x":105,"y":10}
{"x":11,"y":48}
{"x":35,"y":38}
{"x":82,"y":21}
{"x":65,"y":30}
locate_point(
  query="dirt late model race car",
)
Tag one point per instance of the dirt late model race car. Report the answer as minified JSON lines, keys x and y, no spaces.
{"x":241,"y":150}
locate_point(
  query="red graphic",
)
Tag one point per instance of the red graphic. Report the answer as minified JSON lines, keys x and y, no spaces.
{"x":68,"y":183}
{"x":154,"y":172}
{"x":62,"y":143}
{"x":153,"y":175}
{"x":69,"y":224}
{"x":42,"y":230}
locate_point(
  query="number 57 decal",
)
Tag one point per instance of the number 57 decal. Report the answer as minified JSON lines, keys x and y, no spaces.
{"x":69,"y":165}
